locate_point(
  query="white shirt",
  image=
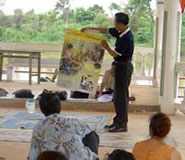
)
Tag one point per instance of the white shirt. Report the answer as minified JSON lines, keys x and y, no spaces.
{"x":64,"y":135}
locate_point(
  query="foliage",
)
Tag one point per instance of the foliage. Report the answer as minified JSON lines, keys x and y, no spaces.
{"x":183,"y":39}
{"x":114,"y":7}
{"x":142,"y":20}
{"x":49,"y":27}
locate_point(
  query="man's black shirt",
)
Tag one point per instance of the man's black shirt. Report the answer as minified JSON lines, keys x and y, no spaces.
{"x":124,"y":45}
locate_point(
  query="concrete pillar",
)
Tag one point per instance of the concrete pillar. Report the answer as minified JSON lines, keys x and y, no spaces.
{"x":158,"y":41}
{"x":169,"y":50}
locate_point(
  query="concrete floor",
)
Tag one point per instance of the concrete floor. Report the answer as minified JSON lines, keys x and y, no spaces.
{"x":138,"y":130}
{"x":138,"y":124}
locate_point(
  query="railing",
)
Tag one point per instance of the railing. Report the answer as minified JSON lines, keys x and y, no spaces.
{"x":181,"y":87}
{"x":143,"y":59}
{"x":143,"y":66}
{"x":180,"y":70}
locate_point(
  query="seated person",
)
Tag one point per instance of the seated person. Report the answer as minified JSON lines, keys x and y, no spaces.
{"x":119,"y":155}
{"x":51,"y":155}
{"x":155,"y":148}
{"x":105,"y":91}
{"x":107,"y":82}
{"x":64,"y":135}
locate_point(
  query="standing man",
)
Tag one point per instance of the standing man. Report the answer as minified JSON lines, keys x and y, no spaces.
{"x":123,"y":68}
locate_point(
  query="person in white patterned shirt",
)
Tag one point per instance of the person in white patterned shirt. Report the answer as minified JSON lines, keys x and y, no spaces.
{"x":68,"y":136}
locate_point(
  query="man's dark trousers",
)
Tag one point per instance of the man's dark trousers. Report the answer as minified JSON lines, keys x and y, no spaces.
{"x":123,"y":73}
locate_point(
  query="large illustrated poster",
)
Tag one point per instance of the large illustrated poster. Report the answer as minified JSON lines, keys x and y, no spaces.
{"x":81,"y":61}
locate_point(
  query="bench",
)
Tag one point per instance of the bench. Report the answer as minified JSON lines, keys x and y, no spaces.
{"x":29,"y":55}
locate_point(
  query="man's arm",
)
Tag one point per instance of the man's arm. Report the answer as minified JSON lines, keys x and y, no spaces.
{"x":111,"y":51}
{"x":101,"y":30}
{"x":104,"y":44}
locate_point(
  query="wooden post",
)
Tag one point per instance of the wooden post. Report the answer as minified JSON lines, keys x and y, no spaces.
{"x":1,"y":66}
{"x":39,"y":68}
{"x":30,"y":69}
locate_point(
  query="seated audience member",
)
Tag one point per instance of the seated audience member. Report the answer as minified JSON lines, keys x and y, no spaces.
{"x":107,"y":82}
{"x":120,"y":155}
{"x":105,"y":91}
{"x":155,"y":148}
{"x":70,"y":137}
{"x":51,"y":155}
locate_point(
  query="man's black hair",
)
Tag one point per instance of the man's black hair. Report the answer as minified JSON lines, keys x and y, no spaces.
{"x":49,"y":103}
{"x":122,"y":18}
{"x":121,"y":155}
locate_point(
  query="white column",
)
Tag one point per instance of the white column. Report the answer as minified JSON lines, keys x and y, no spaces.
{"x":158,"y":40}
{"x":169,"y":57}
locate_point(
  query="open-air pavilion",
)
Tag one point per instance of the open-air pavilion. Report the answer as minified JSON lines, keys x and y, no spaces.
{"x":162,"y":92}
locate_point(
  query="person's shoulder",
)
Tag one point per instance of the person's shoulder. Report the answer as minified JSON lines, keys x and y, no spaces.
{"x":142,"y":143}
{"x":38,"y":128}
{"x":140,"y":146}
{"x":47,"y":121}
{"x":129,"y":34}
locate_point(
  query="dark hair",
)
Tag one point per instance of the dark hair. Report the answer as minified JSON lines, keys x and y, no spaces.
{"x":122,"y":18}
{"x":121,"y":155}
{"x":49,"y":103}
{"x":51,"y":155}
{"x":160,"y":125}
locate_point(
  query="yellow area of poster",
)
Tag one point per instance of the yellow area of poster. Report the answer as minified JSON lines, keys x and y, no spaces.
{"x":81,"y":60}
{"x":83,"y":36}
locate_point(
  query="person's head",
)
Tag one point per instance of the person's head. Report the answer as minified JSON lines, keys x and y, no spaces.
{"x":121,"y":21}
{"x":120,"y":155}
{"x":160,"y":125}
{"x":49,"y":103}
{"x":51,"y":155}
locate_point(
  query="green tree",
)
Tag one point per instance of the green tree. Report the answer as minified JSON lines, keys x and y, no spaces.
{"x":89,"y":15}
{"x":63,"y":8}
{"x":141,"y":20}
{"x":138,"y":8}
{"x":183,"y":39}
{"x":18,"y":18}
{"x":96,"y":9}
{"x":114,"y":7}
{"x":2,"y":18}
{"x":102,"y":20}
{"x":83,"y":16}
